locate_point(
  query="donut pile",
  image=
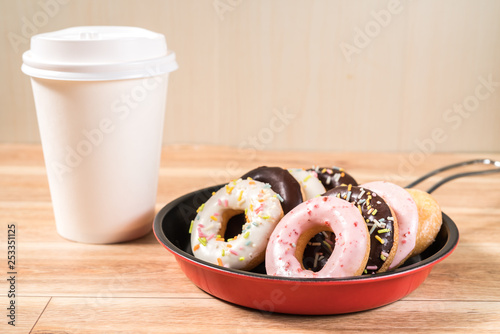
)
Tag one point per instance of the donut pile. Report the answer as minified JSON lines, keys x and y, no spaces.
{"x":313,"y":223}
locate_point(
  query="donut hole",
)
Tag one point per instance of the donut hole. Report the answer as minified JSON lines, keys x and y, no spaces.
{"x":234,"y":224}
{"x":317,"y":251}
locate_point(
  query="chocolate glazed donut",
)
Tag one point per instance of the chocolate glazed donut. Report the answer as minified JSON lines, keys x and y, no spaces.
{"x":318,"y":251}
{"x":281,"y":182}
{"x":381,"y":223}
{"x":333,"y":177}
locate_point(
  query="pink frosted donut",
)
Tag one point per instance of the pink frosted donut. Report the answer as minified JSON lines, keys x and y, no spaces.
{"x":287,"y":243}
{"x":406,"y":211}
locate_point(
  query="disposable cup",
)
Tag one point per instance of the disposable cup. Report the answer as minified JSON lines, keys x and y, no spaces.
{"x":100,"y":95}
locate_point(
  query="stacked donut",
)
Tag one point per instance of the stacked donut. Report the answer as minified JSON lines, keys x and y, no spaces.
{"x":313,"y":223}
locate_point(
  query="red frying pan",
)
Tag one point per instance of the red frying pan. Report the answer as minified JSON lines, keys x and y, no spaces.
{"x":257,"y":290}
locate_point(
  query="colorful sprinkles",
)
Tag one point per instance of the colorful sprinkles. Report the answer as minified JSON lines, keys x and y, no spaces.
{"x":378,"y":218}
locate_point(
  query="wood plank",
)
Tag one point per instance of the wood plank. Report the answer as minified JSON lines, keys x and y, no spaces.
{"x":158,"y":315}
{"x":28,"y":310}
{"x":471,"y":273}
{"x":52,"y":266}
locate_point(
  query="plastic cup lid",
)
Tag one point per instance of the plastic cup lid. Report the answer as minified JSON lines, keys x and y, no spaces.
{"x":98,"y":53}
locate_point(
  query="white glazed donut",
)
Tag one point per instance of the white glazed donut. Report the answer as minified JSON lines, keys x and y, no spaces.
{"x":324,"y":213}
{"x":406,"y":211}
{"x":309,"y":182}
{"x":262,"y":210}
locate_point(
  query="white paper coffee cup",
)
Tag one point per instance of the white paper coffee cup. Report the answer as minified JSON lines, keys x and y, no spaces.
{"x":100,"y":95}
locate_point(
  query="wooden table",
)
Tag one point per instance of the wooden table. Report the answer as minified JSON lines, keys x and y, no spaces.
{"x":137,"y":287}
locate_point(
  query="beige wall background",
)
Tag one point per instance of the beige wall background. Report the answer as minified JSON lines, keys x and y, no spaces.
{"x":421,"y":75}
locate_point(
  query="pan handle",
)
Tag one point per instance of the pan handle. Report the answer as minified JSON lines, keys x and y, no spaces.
{"x":459,"y":175}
